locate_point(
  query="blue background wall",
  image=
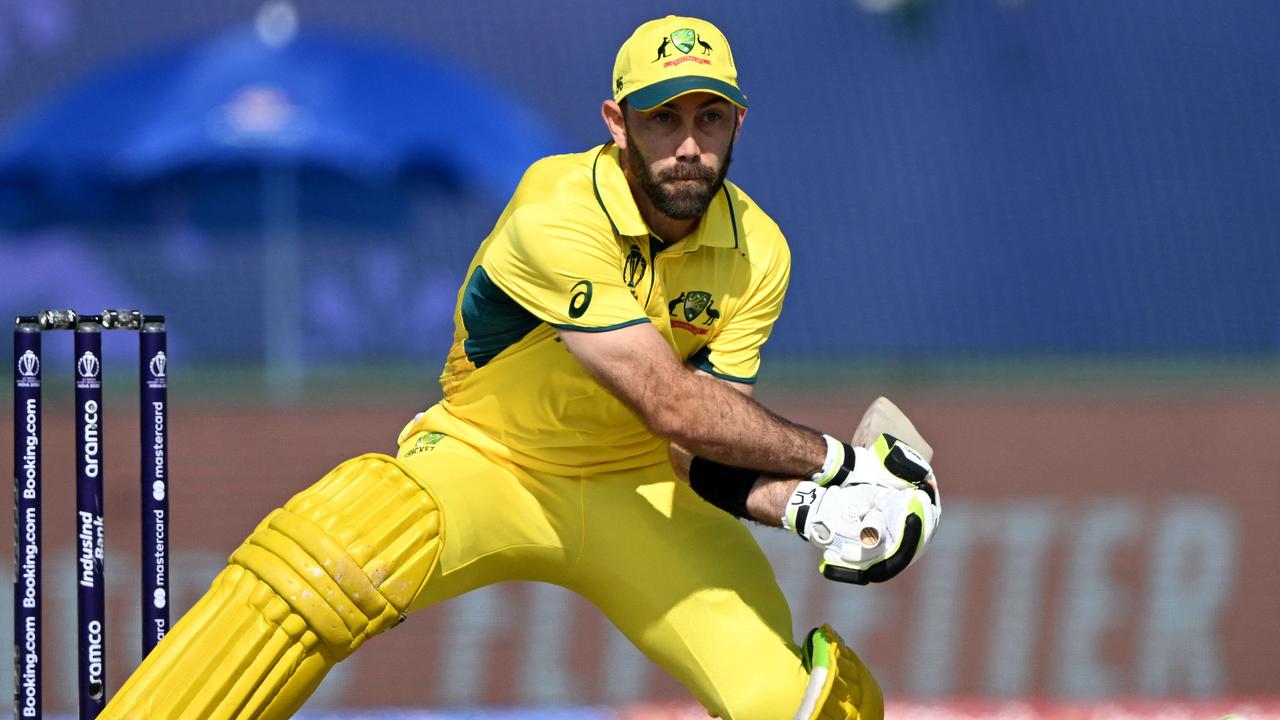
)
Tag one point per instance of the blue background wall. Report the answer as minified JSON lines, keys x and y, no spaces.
{"x":964,"y":178}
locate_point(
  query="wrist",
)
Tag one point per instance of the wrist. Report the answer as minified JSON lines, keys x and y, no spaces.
{"x":838,"y":463}
{"x":767,"y":502}
{"x":795,"y":516}
{"x":728,"y":488}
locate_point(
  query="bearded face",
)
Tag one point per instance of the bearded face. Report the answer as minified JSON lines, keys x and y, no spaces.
{"x":682,"y":191}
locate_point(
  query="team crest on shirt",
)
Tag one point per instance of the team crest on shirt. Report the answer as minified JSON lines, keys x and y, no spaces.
{"x":697,"y":308}
{"x":633,"y":270}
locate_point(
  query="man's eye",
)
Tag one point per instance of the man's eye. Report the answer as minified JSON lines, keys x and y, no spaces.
{"x":713,"y":116}
{"x":661,"y":117}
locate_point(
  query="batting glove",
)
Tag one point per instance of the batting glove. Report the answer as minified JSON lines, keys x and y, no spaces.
{"x":875,"y":524}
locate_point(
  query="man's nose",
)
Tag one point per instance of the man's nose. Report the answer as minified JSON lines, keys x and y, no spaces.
{"x":689,"y":149}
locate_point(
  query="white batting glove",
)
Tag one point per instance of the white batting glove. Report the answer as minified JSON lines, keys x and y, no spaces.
{"x":878,"y":522}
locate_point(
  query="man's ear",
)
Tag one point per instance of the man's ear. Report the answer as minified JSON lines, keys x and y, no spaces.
{"x":611,"y":111}
{"x":742,"y":115}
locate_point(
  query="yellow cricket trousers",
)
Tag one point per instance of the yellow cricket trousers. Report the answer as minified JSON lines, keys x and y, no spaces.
{"x":680,"y":578}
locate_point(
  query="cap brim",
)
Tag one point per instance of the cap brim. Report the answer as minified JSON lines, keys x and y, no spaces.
{"x":654,"y":95}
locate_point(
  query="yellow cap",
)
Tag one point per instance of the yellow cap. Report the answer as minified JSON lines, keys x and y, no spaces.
{"x":667,"y":58}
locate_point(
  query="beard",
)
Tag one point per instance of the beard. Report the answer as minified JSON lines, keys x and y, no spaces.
{"x":685,"y":201}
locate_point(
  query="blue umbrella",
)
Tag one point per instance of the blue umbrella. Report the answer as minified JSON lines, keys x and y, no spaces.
{"x":269,"y":126}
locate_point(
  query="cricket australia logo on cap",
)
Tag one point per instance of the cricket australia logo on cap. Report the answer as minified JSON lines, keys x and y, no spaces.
{"x":683,"y":39}
{"x":87,"y":369}
{"x":28,"y":370}
{"x":157,"y":367}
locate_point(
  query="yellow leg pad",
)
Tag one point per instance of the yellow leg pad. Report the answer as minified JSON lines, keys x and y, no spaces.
{"x":338,"y":564}
{"x":840,"y":685}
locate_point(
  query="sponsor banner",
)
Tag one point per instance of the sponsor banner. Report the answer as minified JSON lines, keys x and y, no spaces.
{"x":1131,"y":709}
{"x":956,"y":710}
{"x":960,"y":710}
{"x":1088,"y":550}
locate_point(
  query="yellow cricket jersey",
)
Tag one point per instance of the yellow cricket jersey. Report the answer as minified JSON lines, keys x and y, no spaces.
{"x":571,"y":251}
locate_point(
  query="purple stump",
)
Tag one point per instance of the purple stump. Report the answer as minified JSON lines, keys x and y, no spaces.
{"x":154,"y":403}
{"x":26,"y":516}
{"x":90,"y":597}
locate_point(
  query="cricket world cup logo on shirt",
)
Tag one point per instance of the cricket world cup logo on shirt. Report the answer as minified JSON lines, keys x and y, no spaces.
{"x":28,"y":370}
{"x":633,"y":270}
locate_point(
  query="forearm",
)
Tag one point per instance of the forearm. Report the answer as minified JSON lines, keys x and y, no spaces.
{"x":692,"y":409}
{"x":708,"y":419}
{"x":766,"y":499}
{"x":762,"y":498}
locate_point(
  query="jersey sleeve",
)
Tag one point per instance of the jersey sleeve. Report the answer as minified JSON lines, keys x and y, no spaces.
{"x":562,"y":273}
{"x":734,"y":352}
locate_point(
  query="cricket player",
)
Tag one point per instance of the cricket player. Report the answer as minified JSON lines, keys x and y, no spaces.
{"x":596,"y":432}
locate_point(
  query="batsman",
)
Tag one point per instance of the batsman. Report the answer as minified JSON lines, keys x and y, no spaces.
{"x":597,"y":432}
